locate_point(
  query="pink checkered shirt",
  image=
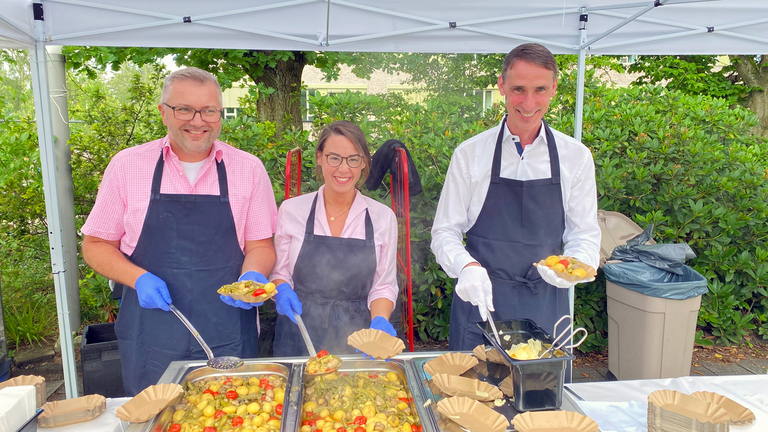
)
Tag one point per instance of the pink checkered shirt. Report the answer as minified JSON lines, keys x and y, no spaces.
{"x":123,"y":198}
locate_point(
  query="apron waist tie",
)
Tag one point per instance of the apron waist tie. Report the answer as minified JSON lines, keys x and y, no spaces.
{"x":527,"y":283}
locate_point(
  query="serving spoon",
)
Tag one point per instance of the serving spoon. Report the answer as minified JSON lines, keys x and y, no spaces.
{"x":310,"y":346}
{"x":218,"y":363}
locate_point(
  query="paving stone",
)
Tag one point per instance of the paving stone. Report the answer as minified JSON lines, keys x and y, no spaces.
{"x":592,"y":375}
{"x":51,"y":387}
{"x":722,"y":369}
{"x":755,"y":365}
{"x":701,"y":371}
{"x":37,"y":354}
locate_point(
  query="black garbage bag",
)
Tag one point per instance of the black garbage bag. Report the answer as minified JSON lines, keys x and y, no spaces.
{"x":669,"y":257}
{"x":655,"y":282}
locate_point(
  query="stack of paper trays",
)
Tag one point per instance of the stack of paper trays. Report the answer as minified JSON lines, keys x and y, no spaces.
{"x":672,"y":411}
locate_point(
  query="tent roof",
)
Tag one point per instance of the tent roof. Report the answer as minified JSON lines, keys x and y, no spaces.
{"x":479,"y":26}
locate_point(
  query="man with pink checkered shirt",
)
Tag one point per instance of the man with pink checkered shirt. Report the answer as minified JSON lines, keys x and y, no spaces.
{"x":174,"y":220}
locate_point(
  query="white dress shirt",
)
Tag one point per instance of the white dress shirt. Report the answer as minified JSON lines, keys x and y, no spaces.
{"x":468,"y":177}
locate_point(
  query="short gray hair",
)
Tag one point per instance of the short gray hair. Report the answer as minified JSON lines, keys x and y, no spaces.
{"x":193,"y":74}
{"x":532,"y":53}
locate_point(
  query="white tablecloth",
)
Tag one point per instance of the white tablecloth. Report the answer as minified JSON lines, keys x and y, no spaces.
{"x":613,"y":404}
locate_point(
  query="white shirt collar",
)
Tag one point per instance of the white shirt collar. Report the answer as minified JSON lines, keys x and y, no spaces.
{"x":542,"y":137}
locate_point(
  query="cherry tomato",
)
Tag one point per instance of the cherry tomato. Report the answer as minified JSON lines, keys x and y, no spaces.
{"x":322,"y":354}
{"x":359,"y":429}
{"x":237,"y":421}
{"x":373,"y":376}
{"x":268,"y":387}
{"x":565,"y":263}
{"x":159,"y":428}
{"x":403,"y":399}
{"x":232,"y":395}
{"x":210,"y":429}
{"x":309,"y":422}
{"x":360,"y":420}
{"x":273,"y":418}
{"x":258,"y":292}
{"x":228,"y":380}
{"x":174,"y":428}
{"x":341,"y":429}
{"x":279,"y":409}
{"x":211,"y":392}
{"x":219,"y":413}
{"x":309,"y":414}
{"x":263,"y":382}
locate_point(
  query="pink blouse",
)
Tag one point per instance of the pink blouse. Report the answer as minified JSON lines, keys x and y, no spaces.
{"x":291,"y":223}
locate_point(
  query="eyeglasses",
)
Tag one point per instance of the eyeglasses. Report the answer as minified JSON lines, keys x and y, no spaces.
{"x":208,"y":115}
{"x":335,"y":160}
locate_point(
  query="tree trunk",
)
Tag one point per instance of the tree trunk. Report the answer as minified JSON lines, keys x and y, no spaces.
{"x":755,"y":74}
{"x":283,"y":106}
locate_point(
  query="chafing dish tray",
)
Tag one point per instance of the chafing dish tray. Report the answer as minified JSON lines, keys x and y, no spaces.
{"x":184,"y":372}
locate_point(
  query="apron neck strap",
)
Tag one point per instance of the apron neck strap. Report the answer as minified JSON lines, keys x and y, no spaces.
{"x":554,"y":158}
{"x":157,"y":179}
{"x":309,"y":231}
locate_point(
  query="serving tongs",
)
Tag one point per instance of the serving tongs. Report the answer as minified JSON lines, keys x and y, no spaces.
{"x":218,"y":363}
{"x":493,"y":326}
{"x":565,"y":337}
{"x":308,"y":343}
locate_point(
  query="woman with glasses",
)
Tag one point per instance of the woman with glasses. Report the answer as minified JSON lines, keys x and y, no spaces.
{"x":336,"y":252}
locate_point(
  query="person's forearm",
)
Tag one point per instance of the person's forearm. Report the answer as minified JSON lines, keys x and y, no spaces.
{"x":105,"y":258}
{"x":381,"y":307}
{"x":259,"y":256}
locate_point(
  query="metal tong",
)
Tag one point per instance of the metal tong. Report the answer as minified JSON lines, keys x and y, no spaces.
{"x":565,"y":337}
{"x":219,"y":363}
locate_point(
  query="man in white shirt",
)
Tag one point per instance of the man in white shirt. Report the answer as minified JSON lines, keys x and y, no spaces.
{"x":519,"y":192}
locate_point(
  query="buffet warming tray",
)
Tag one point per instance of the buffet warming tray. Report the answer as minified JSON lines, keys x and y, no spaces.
{"x":408,"y":366}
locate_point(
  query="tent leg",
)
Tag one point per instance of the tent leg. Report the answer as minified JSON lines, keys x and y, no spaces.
{"x":39,"y":71}
{"x":580,"y":77}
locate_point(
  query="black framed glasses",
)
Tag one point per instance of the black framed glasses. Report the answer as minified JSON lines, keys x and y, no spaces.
{"x":209,"y":115}
{"x":334,"y":160}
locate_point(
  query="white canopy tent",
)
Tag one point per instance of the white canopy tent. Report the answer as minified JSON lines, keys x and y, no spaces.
{"x":480,"y":26}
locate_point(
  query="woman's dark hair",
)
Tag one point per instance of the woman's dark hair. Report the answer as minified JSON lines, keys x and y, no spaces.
{"x":352,"y":132}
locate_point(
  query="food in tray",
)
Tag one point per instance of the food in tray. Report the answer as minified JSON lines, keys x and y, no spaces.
{"x":364,"y":402}
{"x":249,"y":291}
{"x":531,"y":350}
{"x":567,"y":265}
{"x":322,"y":363}
{"x":230,"y":404}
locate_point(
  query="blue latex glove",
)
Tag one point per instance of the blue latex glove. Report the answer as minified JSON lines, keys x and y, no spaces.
{"x":152,"y":292}
{"x":287,"y":301}
{"x":251,"y":276}
{"x":380,"y":323}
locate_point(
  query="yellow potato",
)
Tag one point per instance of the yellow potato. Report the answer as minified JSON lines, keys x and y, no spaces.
{"x":279,"y":395}
{"x":391,"y":376}
{"x":209,"y":411}
{"x":178,"y":415}
{"x":241,"y":410}
{"x":253,"y":408}
{"x":257,"y":421}
{"x":229,"y":409}
{"x":579,"y":272}
{"x":338,"y":415}
{"x":558,"y":268}
{"x":267,"y":407}
{"x":242,"y":390}
{"x":551,"y":260}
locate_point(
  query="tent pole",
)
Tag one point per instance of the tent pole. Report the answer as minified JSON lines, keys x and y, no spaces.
{"x":580,"y":76}
{"x":37,"y":63}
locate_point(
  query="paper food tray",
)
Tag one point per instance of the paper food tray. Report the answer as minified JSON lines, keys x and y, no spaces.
{"x":472,"y":415}
{"x":737,"y":413}
{"x":71,"y":411}
{"x":33,"y":380}
{"x":474,"y":389}
{"x":376,"y":343}
{"x":669,"y":409}
{"x":450,"y":363}
{"x":591,"y":273}
{"x":547,"y":421}
{"x":149,"y":402}
{"x":248,"y":298}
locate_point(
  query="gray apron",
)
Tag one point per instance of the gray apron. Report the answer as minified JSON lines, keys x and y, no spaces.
{"x":521,"y":222}
{"x":332,"y":278}
{"x":190,"y":242}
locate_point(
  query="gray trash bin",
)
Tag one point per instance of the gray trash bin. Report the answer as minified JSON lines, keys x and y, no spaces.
{"x":652,"y":314}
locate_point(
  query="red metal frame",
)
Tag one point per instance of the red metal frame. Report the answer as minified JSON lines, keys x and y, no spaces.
{"x":401,"y":207}
{"x":293,"y":173}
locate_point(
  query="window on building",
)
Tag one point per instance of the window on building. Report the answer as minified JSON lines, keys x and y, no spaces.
{"x":305,"y":95}
{"x":485,"y":98}
{"x":230,"y":113}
